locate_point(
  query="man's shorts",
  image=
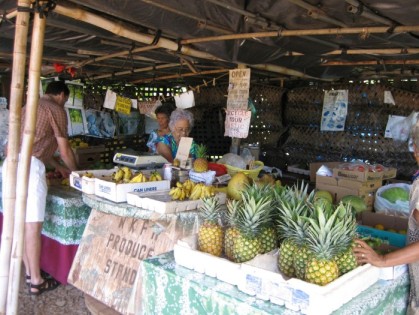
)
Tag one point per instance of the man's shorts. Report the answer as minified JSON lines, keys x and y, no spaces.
{"x":37,"y":190}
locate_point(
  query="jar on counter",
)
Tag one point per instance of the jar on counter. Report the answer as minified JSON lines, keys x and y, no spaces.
{"x":167,"y":171}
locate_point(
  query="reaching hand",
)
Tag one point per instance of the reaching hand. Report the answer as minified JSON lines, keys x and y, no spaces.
{"x":365,"y":254}
{"x":64,"y":171}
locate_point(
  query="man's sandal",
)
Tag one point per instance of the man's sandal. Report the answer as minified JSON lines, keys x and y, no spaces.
{"x":47,"y":285}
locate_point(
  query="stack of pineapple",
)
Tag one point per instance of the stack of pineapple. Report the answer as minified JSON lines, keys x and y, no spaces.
{"x":317,"y":240}
{"x":250,"y":228}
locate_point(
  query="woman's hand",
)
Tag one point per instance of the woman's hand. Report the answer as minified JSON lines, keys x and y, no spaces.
{"x":365,"y":254}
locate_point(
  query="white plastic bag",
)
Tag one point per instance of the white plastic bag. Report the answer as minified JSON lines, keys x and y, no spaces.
{"x":400,"y":131}
{"x":400,"y":208}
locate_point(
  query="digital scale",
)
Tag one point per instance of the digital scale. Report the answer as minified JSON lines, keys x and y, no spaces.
{"x":143,"y":160}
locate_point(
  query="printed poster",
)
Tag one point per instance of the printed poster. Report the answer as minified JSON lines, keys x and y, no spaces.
{"x":99,"y":124}
{"x":237,"y":123}
{"x":238,"y":89}
{"x":335,"y":110}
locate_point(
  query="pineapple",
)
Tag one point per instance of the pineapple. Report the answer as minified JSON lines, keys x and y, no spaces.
{"x":268,"y":237}
{"x":200,"y":164}
{"x":251,"y":216}
{"x":291,"y":205}
{"x":346,"y":259}
{"x":288,"y":211}
{"x":210,"y":234}
{"x":231,"y":232}
{"x":324,"y":236}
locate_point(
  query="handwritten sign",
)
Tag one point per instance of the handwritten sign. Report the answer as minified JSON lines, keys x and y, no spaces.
{"x":238,"y":89}
{"x":123,"y":105}
{"x":110,"y":99}
{"x":148,"y":108}
{"x":107,"y":263}
{"x":237,"y":123}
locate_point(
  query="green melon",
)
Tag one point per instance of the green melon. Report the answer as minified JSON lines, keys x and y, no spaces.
{"x":357,"y":203}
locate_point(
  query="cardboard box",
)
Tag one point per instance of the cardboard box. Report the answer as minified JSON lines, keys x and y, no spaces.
{"x":118,"y":192}
{"x":370,"y":219}
{"x":370,"y":184}
{"x":86,"y":157}
{"x":161,"y":202}
{"x":187,"y":255}
{"x":390,"y":172}
{"x":357,"y":175}
{"x":339,"y":192}
{"x":86,"y":184}
{"x":260,"y":277}
{"x":316,"y":165}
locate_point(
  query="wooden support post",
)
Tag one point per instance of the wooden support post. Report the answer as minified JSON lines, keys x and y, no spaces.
{"x":15,"y":108}
{"x":38,"y":34}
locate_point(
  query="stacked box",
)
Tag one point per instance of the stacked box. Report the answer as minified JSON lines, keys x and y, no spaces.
{"x":86,"y":157}
{"x":340,"y":187}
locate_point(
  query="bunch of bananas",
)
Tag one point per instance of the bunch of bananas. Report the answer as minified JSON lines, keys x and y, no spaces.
{"x":138,"y":178}
{"x":201,"y":191}
{"x":155,"y":176}
{"x":89,"y":175}
{"x":191,"y":190}
{"x":122,"y":175}
{"x":178,"y":192}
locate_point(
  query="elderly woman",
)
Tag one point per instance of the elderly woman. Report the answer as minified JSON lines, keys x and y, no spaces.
{"x":180,"y":124}
{"x":163,"y":113}
{"x":410,"y":253}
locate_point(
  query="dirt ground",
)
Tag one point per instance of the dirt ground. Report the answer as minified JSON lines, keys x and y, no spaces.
{"x":65,"y":299}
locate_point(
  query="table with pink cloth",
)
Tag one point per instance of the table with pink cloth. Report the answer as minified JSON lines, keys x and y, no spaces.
{"x":65,"y":219}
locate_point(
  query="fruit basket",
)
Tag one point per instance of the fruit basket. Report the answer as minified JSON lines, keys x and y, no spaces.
{"x":253,"y":173}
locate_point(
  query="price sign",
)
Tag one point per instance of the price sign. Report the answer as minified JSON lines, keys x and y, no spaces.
{"x":237,"y":123}
{"x":123,"y":105}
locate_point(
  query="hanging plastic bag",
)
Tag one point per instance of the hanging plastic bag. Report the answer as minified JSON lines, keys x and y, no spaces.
{"x":401,"y":131}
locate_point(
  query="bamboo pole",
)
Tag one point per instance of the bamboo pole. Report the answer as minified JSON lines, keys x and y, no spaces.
{"x":178,"y":76}
{"x":290,"y":33}
{"x":38,"y":34}
{"x":384,"y":51}
{"x":117,"y":54}
{"x":371,"y":62}
{"x":9,"y":193}
{"x":119,"y":30}
{"x":108,"y":75}
{"x":122,"y":31}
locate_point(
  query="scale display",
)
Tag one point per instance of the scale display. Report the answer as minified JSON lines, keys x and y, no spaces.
{"x":140,"y":161}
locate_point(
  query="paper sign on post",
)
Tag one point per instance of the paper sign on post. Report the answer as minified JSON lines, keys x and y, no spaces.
{"x":238,"y":89}
{"x":110,"y":99}
{"x":123,"y":105}
{"x":185,"y":100}
{"x":237,"y":123}
{"x":183,"y":150}
{"x":148,"y":108}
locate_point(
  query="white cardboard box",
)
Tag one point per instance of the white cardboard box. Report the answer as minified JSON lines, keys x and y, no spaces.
{"x":187,"y":254}
{"x":161,"y":201}
{"x":260,"y":277}
{"x":390,"y":273}
{"x":118,"y":192}
{"x":86,"y":184}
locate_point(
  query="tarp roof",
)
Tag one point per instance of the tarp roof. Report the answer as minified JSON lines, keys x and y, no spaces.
{"x":325,"y":40}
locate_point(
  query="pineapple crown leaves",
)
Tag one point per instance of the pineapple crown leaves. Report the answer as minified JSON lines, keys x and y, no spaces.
{"x":330,"y":232}
{"x":252,"y":215}
{"x":210,"y":209}
{"x":290,"y":217}
{"x":201,"y":151}
{"x":231,"y":215}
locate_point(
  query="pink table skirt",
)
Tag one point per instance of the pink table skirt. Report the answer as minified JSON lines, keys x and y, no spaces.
{"x":56,"y":258}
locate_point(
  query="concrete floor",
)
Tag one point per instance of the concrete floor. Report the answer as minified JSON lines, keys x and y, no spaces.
{"x":65,"y":299}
